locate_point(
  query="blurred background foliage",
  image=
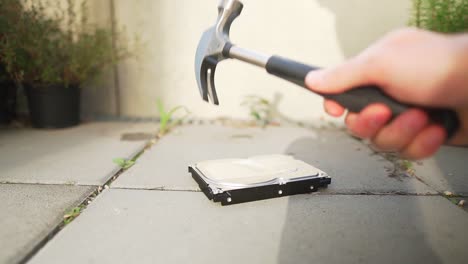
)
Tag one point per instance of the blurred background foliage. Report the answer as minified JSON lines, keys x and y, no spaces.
{"x":53,"y":42}
{"x":446,"y":16}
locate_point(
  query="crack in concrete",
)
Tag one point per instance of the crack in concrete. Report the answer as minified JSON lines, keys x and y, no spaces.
{"x":54,"y":230}
{"x":162,"y":189}
{"x":362,"y":193}
{"x":179,"y":189}
{"x":85,"y":203}
{"x":99,"y":188}
{"x":49,"y":184}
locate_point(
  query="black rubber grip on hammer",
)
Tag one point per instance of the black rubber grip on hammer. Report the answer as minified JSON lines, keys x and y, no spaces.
{"x":358,"y":98}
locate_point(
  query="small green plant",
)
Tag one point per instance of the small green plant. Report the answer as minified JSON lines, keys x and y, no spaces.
{"x":447,"y":16}
{"x":166,"y":120}
{"x":260,"y":109}
{"x":455,"y":200}
{"x":124,"y":163}
{"x":401,"y":167}
{"x":72,"y":214}
{"x":407,"y":165}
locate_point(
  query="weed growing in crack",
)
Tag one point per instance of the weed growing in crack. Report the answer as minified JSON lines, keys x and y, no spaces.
{"x":124,"y":163}
{"x":166,"y":122}
{"x":407,"y":166}
{"x":401,"y":167}
{"x":72,"y":214}
{"x":260,"y":109}
{"x":455,"y":200}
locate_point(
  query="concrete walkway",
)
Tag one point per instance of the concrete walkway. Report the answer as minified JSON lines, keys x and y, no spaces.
{"x":377,"y":209}
{"x":45,"y":173}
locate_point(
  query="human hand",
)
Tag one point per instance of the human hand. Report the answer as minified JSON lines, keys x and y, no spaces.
{"x":415,"y":67}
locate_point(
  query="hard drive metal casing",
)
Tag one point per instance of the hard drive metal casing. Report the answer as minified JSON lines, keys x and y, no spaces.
{"x":306,"y":179}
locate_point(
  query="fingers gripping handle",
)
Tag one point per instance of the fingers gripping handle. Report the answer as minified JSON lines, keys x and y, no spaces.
{"x":358,"y":98}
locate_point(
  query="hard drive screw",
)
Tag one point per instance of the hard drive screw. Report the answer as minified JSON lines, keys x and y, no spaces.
{"x":229,"y":199}
{"x":280,"y":192}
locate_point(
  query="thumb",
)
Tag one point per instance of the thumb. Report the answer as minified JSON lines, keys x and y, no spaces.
{"x":338,"y":79}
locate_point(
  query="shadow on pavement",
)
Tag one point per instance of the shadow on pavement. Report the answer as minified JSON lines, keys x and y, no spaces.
{"x":367,"y":228}
{"x":351,"y":228}
{"x":446,"y":171}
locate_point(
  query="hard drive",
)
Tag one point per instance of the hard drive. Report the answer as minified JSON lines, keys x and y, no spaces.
{"x":233,"y":181}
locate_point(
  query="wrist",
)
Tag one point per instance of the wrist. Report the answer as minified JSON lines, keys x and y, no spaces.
{"x":458,"y":78}
{"x":460,"y":42}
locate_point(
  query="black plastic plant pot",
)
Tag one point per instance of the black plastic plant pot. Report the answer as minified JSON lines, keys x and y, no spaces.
{"x":53,"y":106}
{"x":7,"y":101}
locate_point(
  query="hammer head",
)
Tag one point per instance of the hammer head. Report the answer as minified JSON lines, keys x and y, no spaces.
{"x":213,"y":48}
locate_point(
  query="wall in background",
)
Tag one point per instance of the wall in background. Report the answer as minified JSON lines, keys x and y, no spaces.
{"x":101,"y":98}
{"x":318,"y":32}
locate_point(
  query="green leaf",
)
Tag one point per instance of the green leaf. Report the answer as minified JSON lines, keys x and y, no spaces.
{"x":166,"y":121}
{"x":407,"y":164}
{"x":128,"y":164}
{"x":160,"y":106}
{"x":119,"y":161}
{"x":72,"y":214}
{"x":256,"y":115}
{"x":124,"y":163}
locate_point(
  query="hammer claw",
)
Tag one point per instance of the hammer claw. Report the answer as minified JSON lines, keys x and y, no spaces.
{"x":211,"y":48}
{"x":211,"y":85}
{"x":207,"y":75}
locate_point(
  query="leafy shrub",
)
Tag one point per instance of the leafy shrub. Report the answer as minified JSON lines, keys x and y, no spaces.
{"x":447,"y":16}
{"x":62,"y":48}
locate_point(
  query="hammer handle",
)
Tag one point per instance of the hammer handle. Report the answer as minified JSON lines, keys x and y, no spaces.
{"x":358,"y":98}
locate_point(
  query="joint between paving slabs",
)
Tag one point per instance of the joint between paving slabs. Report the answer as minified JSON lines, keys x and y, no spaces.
{"x":459,"y":201}
{"x":57,"y":228}
{"x":73,"y":213}
{"x":401,"y":168}
{"x":405,"y":167}
{"x":69,"y":217}
{"x":161,"y":189}
{"x":76,"y":211}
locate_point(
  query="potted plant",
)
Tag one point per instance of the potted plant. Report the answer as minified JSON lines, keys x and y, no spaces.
{"x":7,"y":97}
{"x":53,"y":56}
{"x":9,"y":11}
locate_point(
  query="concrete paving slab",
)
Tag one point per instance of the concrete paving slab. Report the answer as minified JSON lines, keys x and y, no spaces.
{"x":79,"y":155}
{"x":144,"y":226}
{"x":353,"y":167}
{"x":30,"y":212}
{"x":447,"y":171}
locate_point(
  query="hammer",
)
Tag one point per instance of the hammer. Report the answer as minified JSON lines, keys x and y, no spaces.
{"x":216,"y":46}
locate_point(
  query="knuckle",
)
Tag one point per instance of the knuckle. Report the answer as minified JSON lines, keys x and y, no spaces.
{"x":353,"y":131}
{"x":402,"y":35}
{"x":373,"y":65}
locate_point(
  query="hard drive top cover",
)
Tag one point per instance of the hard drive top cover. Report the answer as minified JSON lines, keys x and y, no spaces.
{"x":260,"y":170}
